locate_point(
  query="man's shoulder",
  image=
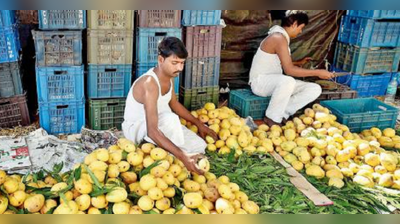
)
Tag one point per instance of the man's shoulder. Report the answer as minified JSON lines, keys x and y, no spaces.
{"x":274,"y":40}
{"x":147,"y":82}
{"x":276,"y":37}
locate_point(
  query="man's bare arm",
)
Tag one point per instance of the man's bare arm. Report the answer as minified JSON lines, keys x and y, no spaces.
{"x":182,"y":112}
{"x":281,"y":48}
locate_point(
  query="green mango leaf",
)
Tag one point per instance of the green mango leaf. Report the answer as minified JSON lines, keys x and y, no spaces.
{"x":78,"y":173}
{"x":124,"y":155}
{"x":58,"y":167}
{"x":94,"y":178}
{"x":51,"y":211}
{"x":231,"y":156}
{"x":148,"y":169}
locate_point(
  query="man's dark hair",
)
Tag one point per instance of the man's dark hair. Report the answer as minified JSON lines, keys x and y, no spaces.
{"x":299,"y":17}
{"x":172,"y":46}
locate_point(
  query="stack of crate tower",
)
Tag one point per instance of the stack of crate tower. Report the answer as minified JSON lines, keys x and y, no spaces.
{"x":110,"y":52}
{"x":153,"y":26}
{"x":202,"y":36}
{"x":13,"y":107}
{"x":368,"y":47}
{"x":60,"y":70}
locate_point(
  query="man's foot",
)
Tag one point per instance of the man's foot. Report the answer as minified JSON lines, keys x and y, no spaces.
{"x":270,"y":122}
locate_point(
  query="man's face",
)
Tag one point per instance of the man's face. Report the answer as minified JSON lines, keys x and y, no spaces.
{"x":171,"y":65}
{"x":297,"y":30}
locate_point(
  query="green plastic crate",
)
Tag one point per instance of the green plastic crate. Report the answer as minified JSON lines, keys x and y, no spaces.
{"x":195,"y":98}
{"x":361,"y":114}
{"x":106,"y":114}
{"x":246,"y":104}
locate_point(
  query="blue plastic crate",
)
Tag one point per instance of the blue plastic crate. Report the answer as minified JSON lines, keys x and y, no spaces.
{"x":361,"y":114}
{"x":201,"y":17}
{"x":56,"y":84}
{"x":58,"y":48}
{"x":62,"y":19}
{"x":10,"y":79}
{"x":245,"y":103}
{"x":66,"y":117}
{"x":142,"y":68}
{"x":367,"y":85}
{"x":365,"y":32}
{"x":147,"y":40}
{"x":375,"y":14}
{"x":201,"y":72}
{"x":358,"y":60}
{"x":7,"y":18}
{"x":108,"y":81}
{"x":9,"y":44}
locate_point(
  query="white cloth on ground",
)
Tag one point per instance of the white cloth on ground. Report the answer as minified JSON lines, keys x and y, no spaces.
{"x":135,"y":127}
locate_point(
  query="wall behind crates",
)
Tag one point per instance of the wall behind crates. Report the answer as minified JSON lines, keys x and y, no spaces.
{"x":247,"y":28}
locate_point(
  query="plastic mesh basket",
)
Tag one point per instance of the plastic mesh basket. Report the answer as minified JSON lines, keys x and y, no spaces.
{"x":62,"y":19}
{"x":148,"y":40}
{"x":58,"y":48}
{"x":201,"y":17}
{"x":109,"y":81}
{"x":196,"y":98}
{"x":14,"y":112}
{"x":366,"y":60}
{"x":59,"y":83}
{"x":201,"y":72}
{"x":66,"y":117}
{"x":245,"y":103}
{"x":110,"y":46}
{"x":106,"y":114}
{"x":362,"y":114}
{"x":10,"y":79}
{"x":9,"y":44}
{"x":111,"y":19}
{"x":160,"y":18}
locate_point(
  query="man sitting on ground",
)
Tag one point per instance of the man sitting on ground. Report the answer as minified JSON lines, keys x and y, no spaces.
{"x":152,"y":111}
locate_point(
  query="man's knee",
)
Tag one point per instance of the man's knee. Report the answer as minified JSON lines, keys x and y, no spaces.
{"x":288,"y":82}
{"x":315,"y":89}
{"x":168,"y":118}
{"x":170,"y":125}
{"x":194,"y":144}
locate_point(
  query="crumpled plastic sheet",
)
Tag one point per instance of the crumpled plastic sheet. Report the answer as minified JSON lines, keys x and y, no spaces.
{"x":92,"y":139}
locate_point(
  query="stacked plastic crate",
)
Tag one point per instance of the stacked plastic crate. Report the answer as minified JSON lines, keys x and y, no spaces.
{"x":153,"y":26}
{"x":369,"y":48}
{"x":60,"y":70}
{"x":110,"y":52}
{"x":203,"y":36}
{"x":13,"y":107}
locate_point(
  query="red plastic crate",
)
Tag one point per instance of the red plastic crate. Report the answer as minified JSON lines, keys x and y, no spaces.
{"x":160,"y":18}
{"x":14,"y":112}
{"x":203,"y":41}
